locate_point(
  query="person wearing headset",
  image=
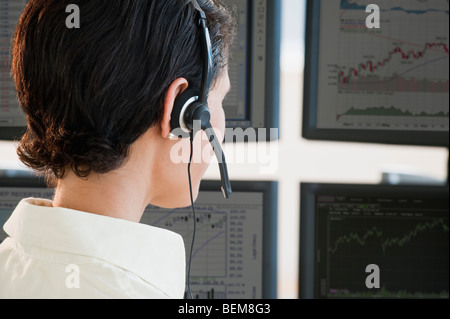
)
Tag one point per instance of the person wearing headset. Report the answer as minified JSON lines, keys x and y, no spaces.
{"x":100,"y":102}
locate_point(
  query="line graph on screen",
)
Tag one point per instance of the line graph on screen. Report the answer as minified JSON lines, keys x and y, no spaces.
{"x":394,"y":77}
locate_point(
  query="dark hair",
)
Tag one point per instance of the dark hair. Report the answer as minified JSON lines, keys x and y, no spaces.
{"x":89,"y":93}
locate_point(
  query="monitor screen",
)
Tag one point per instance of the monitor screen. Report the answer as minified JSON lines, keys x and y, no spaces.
{"x":254,"y":67}
{"x":364,"y":241}
{"x":377,"y":74}
{"x":234,"y":255}
{"x":12,"y":120}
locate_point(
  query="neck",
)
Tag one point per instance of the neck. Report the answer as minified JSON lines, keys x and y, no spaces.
{"x":123,"y":193}
{"x":116,"y":195}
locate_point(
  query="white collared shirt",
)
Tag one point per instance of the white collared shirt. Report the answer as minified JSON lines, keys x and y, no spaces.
{"x":62,"y":253}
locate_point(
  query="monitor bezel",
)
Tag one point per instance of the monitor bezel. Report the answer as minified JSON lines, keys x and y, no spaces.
{"x":24,"y":182}
{"x":310,"y":130}
{"x":8,"y":133}
{"x":273,"y":69}
{"x":307,"y":238}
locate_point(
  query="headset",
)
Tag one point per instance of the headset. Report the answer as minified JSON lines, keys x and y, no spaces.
{"x":191,"y":112}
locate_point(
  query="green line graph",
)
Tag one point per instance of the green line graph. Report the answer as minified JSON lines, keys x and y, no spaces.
{"x":386,"y":243}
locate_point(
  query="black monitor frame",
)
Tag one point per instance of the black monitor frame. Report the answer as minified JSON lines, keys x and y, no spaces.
{"x":308,"y":193}
{"x":312,"y":132}
{"x":11,"y":133}
{"x":28,"y":182}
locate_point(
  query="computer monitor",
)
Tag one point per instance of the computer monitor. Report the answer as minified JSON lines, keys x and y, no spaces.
{"x":254,"y":70}
{"x":377,"y":85}
{"x":12,"y":120}
{"x":234,"y":254}
{"x":235,"y":248}
{"x":374,"y":241}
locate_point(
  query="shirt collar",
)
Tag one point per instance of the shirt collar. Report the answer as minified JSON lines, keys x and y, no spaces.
{"x":154,"y":254}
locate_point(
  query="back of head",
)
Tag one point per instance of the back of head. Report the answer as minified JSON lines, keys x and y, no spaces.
{"x":89,"y":93}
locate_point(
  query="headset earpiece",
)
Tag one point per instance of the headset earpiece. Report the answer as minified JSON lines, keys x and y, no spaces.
{"x":197,"y":117}
{"x":189,"y":114}
{"x":183,"y":104}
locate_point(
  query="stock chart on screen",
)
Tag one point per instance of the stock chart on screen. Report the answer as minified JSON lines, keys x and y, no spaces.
{"x":403,"y":230}
{"x":394,"y":77}
{"x":231,"y":246}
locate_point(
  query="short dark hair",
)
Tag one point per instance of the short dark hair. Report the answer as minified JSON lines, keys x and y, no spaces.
{"x":89,"y":93}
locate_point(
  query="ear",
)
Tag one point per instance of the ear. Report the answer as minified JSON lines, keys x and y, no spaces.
{"x":175,"y":89}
